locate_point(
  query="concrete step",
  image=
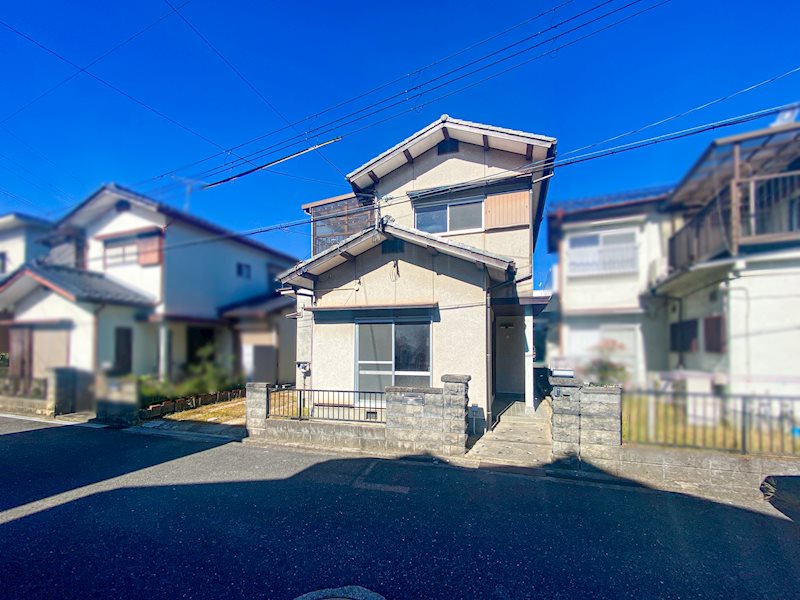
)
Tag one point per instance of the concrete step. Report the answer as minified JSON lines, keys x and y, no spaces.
{"x":513,"y":453}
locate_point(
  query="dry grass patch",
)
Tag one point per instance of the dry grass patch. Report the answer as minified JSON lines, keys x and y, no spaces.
{"x":228,"y":413}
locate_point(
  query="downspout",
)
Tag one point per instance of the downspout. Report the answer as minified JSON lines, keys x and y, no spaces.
{"x":96,"y":341}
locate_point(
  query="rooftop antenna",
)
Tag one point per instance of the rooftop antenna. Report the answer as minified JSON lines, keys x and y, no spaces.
{"x":189,"y":185}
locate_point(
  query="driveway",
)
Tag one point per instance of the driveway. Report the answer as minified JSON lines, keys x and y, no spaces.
{"x":97,"y":513}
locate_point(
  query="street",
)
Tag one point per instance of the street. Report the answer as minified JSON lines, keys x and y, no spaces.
{"x":101,"y":513}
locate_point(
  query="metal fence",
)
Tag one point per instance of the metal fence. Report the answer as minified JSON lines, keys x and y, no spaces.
{"x":746,"y":424}
{"x":332,"y":405}
{"x":23,"y":387}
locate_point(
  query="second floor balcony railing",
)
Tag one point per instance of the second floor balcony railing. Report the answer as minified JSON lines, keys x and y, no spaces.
{"x":769,"y":211}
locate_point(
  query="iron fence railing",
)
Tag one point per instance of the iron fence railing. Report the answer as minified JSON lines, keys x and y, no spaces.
{"x":740,"y":423}
{"x":23,"y":387}
{"x":332,"y":405}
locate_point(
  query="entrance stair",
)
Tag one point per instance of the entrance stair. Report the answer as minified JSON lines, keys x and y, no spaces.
{"x":521,"y":438}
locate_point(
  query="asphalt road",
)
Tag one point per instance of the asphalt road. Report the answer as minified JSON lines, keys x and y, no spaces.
{"x":96,"y":513}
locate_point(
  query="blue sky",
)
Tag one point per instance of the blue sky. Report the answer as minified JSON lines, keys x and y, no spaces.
{"x":304,"y":57}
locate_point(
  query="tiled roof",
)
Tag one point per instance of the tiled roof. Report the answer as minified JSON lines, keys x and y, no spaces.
{"x":640,"y":195}
{"x":86,"y":286}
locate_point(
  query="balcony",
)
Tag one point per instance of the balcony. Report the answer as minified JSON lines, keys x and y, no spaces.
{"x":767,"y":211}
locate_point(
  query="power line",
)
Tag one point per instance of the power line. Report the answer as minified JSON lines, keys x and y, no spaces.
{"x":112,"y":86}
{"x":279,"y":146}
{"x":80,"y":70}
{"x":269,"y":164}
{"x":241,"y":76}
{"x":538,"y":166}
{"x":375,"y":89}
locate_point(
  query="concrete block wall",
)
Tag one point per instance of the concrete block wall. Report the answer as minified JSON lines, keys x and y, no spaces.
{"x":428,"y":420}
{"x":418,"y":421}
{"x":587,"y":436}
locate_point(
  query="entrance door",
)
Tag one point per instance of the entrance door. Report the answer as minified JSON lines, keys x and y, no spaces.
{"x":20,"y":355}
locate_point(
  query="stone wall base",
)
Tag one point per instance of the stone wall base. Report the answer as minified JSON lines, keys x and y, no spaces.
{"x":676,"y":467}
{"x":25,"y":406}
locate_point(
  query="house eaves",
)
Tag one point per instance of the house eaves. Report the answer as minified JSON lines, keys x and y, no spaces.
{"x":488,"y":136}
{"x":305,"y":273}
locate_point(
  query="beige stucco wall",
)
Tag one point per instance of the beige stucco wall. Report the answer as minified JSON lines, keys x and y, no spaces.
{"x":458,"y":342}
{"x":431,"y":170}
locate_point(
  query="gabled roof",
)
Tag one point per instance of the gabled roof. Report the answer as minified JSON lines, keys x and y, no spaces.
{"x":488,"y":136}
{"x":77,"y":285}
{"x":14,"y":220}
{"x":256,"y":306}
{"x":304,"y":273}
{"x":594,"y":203}
{"x":81,"y":214}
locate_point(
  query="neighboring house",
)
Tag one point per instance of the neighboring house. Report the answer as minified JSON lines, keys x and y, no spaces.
{"x":133,"y":286}
{"x":734,"y":267}
{"x":611,"y":250}
{"x":20,"y":242}
{"x":425,"y":269}
{"x":711,"y":272}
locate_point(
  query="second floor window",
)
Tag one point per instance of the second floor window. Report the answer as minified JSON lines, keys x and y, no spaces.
{"x":121,"y":253}
{"x":3,"y":263}
{"x":603,"y":253}
{"x":461,"y":215}
{"x":244,"y":270}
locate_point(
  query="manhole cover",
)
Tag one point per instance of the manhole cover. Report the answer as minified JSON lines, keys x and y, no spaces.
{"x":350,"y":592}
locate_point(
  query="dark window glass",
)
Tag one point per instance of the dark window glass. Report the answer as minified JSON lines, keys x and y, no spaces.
{"x":412,"y":347}
{"x":683,"y":336}
{"x":3,"y":266}
{"x":432,"y":219}
{"x":466,"y":216}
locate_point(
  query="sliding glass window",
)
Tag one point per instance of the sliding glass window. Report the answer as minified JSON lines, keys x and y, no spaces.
{"x":393,"y":353}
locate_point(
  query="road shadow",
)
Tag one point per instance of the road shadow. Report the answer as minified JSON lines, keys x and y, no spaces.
{"x":402,"y":528}
{"x":783,"y":492}
{"x":39,"y":460}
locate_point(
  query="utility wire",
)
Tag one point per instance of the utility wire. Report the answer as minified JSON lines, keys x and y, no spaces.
{"x":247,"y":82}
{"x":113,"y":87}
{"x":533,"y":167}
{"x":80,"y":70}
{"x":377,"y":88}
{"x":277,"y":147}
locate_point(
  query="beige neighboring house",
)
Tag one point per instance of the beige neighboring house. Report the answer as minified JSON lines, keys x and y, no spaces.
{"x":425,"y":269}
{"x":134,"y":286}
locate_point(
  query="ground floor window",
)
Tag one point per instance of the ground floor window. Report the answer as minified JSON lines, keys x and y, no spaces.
{"x":123,"y":350}
{"x":393,"y":353}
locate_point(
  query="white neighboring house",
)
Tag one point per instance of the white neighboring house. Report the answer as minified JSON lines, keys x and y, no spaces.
{"x":702,"y":283}
{"x":611,"y":250}
{"x":20,"y":242}
{"x":133,"y":286}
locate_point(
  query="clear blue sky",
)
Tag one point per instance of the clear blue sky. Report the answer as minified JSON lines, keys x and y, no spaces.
{"x":306,"y":56}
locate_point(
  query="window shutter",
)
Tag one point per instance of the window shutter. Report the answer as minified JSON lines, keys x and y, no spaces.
{"x":507,"y":210}
{"x":149,"y":250}
{"x":714,"y":334}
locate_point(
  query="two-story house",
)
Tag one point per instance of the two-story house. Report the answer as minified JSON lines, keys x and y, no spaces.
{"x":734,"y":266}
{"x":134,"y":286}
{"x":697,"y":286}
{"x":611,"y":250}
{"x":20,"y":241}
{"x":425,"y":268}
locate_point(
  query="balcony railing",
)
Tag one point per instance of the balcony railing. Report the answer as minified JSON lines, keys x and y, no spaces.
{"x":769,"y":210}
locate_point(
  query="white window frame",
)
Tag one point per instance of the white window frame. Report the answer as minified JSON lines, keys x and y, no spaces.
{"x":600,"y":235}
{"x":390,"y":321}
{"x":449,"y":203}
